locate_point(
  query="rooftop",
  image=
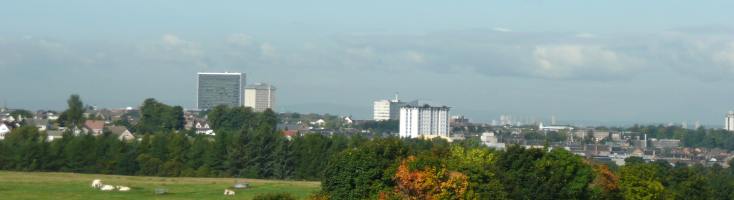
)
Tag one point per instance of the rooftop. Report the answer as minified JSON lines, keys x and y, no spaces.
{"x":260,"y":86}
{"x":220,"y":73}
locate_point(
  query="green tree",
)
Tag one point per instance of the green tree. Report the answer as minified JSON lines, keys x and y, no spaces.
{"x":477,"y":164}
{"x":22,"y":113}
{"x":516,"y":169}
{"x":158,"y":117}
{"x":73,"y":116}
{"x":284,"y":159}
{"x":640,"y":181}
{"x":353,"y":174}
{"x":26,"y":148}
{"x":562,"y":175}
{"x":363,"y":172}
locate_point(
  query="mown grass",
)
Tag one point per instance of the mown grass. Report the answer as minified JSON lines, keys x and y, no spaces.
{"x":71,"y":186}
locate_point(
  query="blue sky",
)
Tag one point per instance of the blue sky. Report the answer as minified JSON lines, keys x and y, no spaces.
{"x":582,"y":61}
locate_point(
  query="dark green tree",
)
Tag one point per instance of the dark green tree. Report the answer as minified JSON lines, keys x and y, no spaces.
{"x":21,"y":113}
{"x":73,"y":116}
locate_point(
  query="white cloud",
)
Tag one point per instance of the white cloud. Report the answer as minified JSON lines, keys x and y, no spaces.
{"x":267,"y":49}
{"x":725,"y":56}
{"x":171,"y":40}
{"x":500,"y":29}
{"x":570,"y":60}
{"x":240,"y":39}
{"x":415,"y":57}
{"x":362,"y":52}
{"x":586,"y":35}
{"x":176,"y":44}
{"x":488,"y":52}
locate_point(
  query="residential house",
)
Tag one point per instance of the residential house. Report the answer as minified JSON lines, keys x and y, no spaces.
{"x":9,"y":118}
{"x":348,"y":120}
{"x":122,"y":133}
{"x":52,"y":116}
{"x":5,"y":128}
{"x":94,"y":127}
{"x":41,"y":124}
{"x":320,"y":122}
{"x":203,"y":128}
{"x":289,"y":134}
{"x":52,"y":135}
{"x":298,"y":128}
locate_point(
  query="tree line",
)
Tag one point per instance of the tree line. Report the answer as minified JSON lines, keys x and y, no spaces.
{"x":393,"y":168}
{"x":246,"y":144}
{"x":258,"y":153}
{"x":700,"y":137}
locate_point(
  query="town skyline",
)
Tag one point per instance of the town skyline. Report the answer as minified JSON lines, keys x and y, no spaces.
{"x":622,"y":64}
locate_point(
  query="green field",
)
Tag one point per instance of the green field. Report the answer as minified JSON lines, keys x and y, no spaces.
{"x":43,"y":185}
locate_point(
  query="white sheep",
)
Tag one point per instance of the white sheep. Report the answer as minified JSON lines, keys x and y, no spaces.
{"x":107,"y":188}
{"x":228,"y":192}
{"x":123,"y":188}
{"x":96,"y":183}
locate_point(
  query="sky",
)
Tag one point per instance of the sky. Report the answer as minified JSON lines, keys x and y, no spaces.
{"x":594,"y":62}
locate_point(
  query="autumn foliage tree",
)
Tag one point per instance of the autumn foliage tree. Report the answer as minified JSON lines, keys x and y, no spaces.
{"x":605,"y":184}
{"x":428,"y":183}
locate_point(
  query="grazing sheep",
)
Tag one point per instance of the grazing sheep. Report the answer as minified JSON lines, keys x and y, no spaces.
{"x":96,"y":183}
{"x":123,"y":188}
{"x":228,"y":192}
{"x":107,"y":188}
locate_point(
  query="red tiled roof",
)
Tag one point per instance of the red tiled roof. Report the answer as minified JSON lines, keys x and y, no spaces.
{"x":289,"y":133}
{"x":94,"y":124}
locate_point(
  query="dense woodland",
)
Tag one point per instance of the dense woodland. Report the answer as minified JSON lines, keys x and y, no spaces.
{"x":354,"y":167}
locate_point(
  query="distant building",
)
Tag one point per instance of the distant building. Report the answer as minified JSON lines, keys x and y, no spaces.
{"x":387,"y":109}
{"x":260,"y":96}
{"x":553,"y":127}
{"x":215,"y":89}
{"x":424,"y":121}
{"x":729,"y":121}
{"x":490,"y":140}
{"x":459,"y":119}
{"x":94,"y":127}
{"x":665,"y":143}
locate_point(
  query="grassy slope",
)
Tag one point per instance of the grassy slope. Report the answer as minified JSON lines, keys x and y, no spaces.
{"x":42,"y":185}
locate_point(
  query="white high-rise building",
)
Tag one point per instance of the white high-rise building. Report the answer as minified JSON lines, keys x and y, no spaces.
{"x":260,"y":96}
{"x":213,"y":89}
{"x":424,"y":121}
{"x":729,"y":121}
{"x":387,"y":109}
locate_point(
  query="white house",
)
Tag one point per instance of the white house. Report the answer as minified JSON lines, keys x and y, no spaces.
{"x":348,"y":120}
{"x":319,"y":122}
{"x":52,"y":135}
{"x":4,"y":129}
{"x":203,"y":128}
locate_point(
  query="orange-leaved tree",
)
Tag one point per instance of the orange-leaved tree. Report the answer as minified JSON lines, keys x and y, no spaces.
{"x":428,"y":183}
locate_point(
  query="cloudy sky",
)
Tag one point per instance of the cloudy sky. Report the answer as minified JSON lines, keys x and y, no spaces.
{"x":581,"y":61}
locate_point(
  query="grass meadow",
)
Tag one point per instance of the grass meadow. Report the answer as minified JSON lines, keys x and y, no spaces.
{"x":72,"y":186}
